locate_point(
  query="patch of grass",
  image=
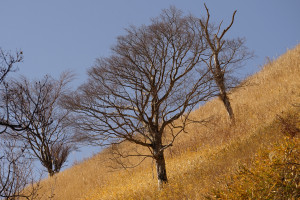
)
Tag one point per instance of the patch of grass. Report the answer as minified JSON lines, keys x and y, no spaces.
{"x":275,"y":172}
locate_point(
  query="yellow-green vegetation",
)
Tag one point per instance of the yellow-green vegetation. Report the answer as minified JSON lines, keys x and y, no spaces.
{"x":212,"y":160}
{"x":275,"y":175}
{"x":275,"y":172}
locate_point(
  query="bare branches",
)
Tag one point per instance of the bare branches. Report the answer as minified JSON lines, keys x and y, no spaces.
{"x":224,"y":56}
{"x":7,"y":64}
{"x":15,"y":169}
{"x":140,"y":88}
{"x":153,"y":77}
{"x":15,"y":173}
{"x":152,"y":81}
{"x":228,"y":27}
{"x":44,"y":129}
{"x":120,"y":157}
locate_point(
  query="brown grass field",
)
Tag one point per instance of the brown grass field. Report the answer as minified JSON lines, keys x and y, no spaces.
{"x":198,"y":162}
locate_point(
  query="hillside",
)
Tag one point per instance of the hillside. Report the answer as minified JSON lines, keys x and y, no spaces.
{"x":201,"y":157}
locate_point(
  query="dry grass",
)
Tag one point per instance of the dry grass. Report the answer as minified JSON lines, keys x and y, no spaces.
{"x":200,"y":157}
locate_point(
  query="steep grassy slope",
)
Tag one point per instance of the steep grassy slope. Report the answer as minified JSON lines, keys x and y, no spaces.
{"x":200,"y":157}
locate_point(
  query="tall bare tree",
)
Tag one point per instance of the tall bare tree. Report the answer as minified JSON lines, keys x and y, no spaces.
{"x":34,"y":106}
{"x":152,"y":79}
{"x":224,"y":56}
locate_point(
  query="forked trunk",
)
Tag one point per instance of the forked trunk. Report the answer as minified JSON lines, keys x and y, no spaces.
{"x":161,"y":169}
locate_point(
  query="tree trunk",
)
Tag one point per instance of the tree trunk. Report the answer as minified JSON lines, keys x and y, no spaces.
{"x":161,"y":169}
{"x":219,"y":78}
{"x":227,"y":105}
{"x":51,"y":173}
{"x":224,"y":98}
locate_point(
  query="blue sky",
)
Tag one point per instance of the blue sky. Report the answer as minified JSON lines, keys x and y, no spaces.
{"x":60,"y":35}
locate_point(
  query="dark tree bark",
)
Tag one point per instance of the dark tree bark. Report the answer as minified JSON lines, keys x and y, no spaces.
{"x":219,"y":79}
{"x":160,"y":168}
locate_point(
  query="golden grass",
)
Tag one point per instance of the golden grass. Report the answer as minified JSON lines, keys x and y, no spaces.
{"x":273,"y":174}
{"x":200,"y":157}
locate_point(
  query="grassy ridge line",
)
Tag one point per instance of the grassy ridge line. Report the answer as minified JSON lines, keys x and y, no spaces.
{"x":268,"y":93}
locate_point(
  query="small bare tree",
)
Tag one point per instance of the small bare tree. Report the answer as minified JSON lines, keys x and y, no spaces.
{"x":225,"y":56}
{"x":16,"y":174}
{"x":149,"y":84}
{"x":34,"y":106}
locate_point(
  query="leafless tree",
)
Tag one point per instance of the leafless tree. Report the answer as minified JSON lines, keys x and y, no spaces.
{"x":16,"y":174}
{"x":34,"y":106}
{"x":224,"y":56}
{"x":149,"y":84}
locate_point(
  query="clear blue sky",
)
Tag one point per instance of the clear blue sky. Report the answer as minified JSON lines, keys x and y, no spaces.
{"x":60,"y":35}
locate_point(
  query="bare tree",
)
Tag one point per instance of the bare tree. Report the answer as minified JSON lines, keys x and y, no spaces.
{"x":225,"y":55}
{"x":15,"y":170}
{"x":16,"y":174}
{"x":34,"y":106}
{"x":149,"y":84}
